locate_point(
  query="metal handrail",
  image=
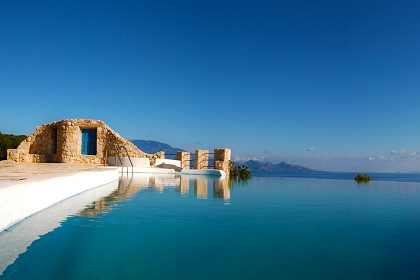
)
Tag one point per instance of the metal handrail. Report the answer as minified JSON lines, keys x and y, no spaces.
{"x":117,"y":153}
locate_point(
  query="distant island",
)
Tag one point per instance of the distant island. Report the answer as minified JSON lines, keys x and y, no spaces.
{"x":259,"y":166}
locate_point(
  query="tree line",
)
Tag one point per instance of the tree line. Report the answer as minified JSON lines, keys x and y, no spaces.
{"x":9,"y":141}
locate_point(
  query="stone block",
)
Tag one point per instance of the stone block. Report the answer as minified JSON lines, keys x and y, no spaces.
{"x":12,"y":155}
{"x":222,"y":154}
{"x":201,"y":160}
{"x":184,"y":158}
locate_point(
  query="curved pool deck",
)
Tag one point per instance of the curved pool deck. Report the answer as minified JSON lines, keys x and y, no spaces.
{"x":27,"y":188}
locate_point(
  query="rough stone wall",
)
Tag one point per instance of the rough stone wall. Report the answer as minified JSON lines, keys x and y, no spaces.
{"x":37,"y":146}
{"x":201,"y":160}
{"x":185,"y":158}
{"x":222,"y":159}
{"x":34,"y":148}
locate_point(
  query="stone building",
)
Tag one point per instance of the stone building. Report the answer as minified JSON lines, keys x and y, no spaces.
{"x":75,"y":141}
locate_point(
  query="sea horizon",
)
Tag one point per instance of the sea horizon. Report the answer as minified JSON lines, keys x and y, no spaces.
{"x":375,"y":176}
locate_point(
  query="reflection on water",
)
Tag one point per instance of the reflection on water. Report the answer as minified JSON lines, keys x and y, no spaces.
{"x":17,"y":239}
{"x":237,"y":181}
{"x":200,"y":188}
{"x":274,"y":228}
{"x":184,"y":186}
{"x":221,"y":189}
{"x":132,"y":184}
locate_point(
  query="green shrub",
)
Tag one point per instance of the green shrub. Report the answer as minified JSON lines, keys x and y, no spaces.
{"x":9,"y":141}
{"x":362,"y":178}
{"x":239,"y":172}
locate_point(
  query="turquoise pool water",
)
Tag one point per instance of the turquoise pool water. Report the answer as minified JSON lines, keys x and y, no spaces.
{"x":202,"y":228}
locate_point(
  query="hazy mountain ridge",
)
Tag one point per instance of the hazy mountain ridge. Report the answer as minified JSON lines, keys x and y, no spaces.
{"x":151,"y":147}
{"x":260,"y":166}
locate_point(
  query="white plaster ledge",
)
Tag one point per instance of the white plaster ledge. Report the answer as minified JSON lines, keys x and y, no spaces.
{"x":20,"y":199}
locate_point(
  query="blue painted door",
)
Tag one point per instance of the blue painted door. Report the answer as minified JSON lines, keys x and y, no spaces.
{"x":89,"y":141}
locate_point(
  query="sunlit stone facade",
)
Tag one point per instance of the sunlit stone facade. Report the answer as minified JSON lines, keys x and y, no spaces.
{"x":75,"y":141}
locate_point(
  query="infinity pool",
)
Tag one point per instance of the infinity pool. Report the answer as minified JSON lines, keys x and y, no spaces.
{"x":204,"y":228}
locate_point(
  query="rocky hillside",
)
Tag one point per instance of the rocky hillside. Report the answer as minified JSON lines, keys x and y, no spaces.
{"x":151,"y":147}
{"x":260,"y":166}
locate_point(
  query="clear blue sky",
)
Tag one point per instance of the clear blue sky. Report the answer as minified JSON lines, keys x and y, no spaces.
{"x":333,"y":85}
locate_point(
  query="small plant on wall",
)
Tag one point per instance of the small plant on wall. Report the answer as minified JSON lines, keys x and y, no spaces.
{"x":239,"y":172}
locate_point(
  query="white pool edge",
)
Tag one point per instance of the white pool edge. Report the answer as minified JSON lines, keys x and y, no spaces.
{"x":160,"y":170}
{"x":206,"y":172}
{"x":24,"y":199}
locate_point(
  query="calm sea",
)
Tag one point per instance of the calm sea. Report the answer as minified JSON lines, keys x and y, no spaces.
{"x":269,"y":227}
{"x":395,"y":177}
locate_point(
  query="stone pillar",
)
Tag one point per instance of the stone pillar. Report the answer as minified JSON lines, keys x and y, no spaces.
{"x":222,"y":159}
{"x":201,"y":160}
{"x":12,"y":155}
{"x":184,"y":157}
{"x":69,"y":143}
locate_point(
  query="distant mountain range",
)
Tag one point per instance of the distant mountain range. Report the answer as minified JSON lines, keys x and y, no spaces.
{"x":151,"y":147}
{"x":260,"y":166}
